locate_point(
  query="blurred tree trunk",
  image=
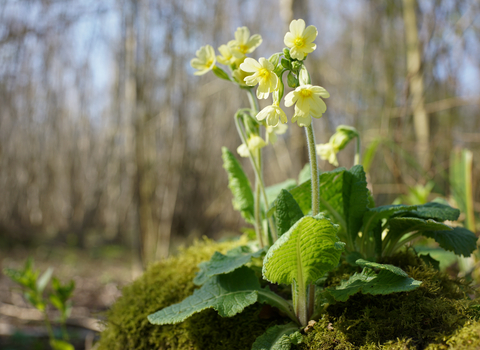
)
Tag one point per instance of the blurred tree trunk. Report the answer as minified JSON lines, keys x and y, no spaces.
{"x":415,"y":79}
{"x":131,"y":107}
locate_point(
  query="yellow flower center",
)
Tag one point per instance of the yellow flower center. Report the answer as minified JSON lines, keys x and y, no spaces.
{"x":208,"y":63}
{"x":299,"y":42}
{"x":263,"y":73}
{"x":305,"y":93}
{"x":243,"y":48}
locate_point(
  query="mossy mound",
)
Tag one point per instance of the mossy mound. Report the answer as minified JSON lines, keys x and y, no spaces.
{"x":169,"y":282}
{"x":432,"y":316}
{"x":437,"y":315}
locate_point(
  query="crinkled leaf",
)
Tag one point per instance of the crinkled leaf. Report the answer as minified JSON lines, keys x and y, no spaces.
{"x":287,"y":212}
{"x":344,"y":197}
{"x":278,"y":337}
{"x":390,"y":279}
{"x":239,"y":185}
{"x":458,"y":240}
{"x":304,"y":253}
{"x":331,"y":183}
{"x":221,"y":264}
{"x":331,"y":195}
{"x":303,"y":196}
{"x":436,"y":211}
{"x":228,"y":294}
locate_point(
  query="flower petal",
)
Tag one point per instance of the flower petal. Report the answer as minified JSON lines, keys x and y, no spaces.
{"x":290,"y":99}
{"x":250,"y":65}
{"x":297,"y":27}
{"x":310,"y":34}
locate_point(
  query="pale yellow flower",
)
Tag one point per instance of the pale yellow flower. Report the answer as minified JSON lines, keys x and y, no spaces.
{"x":254,"y":143}
{"x":227,"y":57}
{"x":263,"y":75}
{"x":272,"y":114}
{"x":244,"y":43}
{"x":307,"y":103}
{"x":240,"y":75}
{"x":273,"y":131}
{"x":300,"y":39}
{"x":205,"y":60}
{"x":242,"y":151}
{"x":328,"y":152}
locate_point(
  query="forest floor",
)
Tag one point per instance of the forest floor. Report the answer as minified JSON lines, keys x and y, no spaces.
{"x":99,"y":275}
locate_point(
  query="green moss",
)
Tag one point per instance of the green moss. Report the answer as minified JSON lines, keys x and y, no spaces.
{"x":412,"y":320}
{"x":438,"y":315}
{"x":169,"y":282}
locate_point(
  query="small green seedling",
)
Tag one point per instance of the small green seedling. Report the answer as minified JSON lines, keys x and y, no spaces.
{"x":34,"y":286}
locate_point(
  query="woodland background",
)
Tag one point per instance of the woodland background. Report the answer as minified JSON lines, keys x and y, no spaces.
{"x":107,"y":137}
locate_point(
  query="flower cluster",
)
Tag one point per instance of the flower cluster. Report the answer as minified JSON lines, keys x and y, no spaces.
{"x":267,"y":75}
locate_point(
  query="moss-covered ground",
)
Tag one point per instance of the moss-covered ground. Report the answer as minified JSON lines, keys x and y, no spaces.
{"x":169,"y":282}
{"x":440,"y":314}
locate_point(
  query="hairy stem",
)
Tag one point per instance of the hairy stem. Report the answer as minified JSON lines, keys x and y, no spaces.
{"x":258,"y":219}
{"x":243,"y":137}
{"x":312,"y":154}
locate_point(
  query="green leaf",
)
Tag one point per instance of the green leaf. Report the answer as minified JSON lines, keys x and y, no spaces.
{"x":402,"y":225}
{"x":287,"y":212}
{"x":390,"y":279}
{"x":305,"y":174}
{"x":331,"y":184}
{"x":229,"y":294}
{"x":220,"y":73}
{"x":355,"y":199}
{"x":274,"y":190}
{"x":26,"y":277}
{"x":436,"y":211}
{"x":373,"y":217}
{"x":44,"y":279}
{"x":239,"y":185}
{"x":461,"y":184}
{"x":56,"y":302}
{"x":458,"y":240}
{"x":369,"y":153}
{"x":57,"y":344}
{"x":222,"y":264}
{"x":331,"y":195}
{"x":304,"y":253}
{"x":303,"y":196}
{"x":279,"y":337}
{"x":428,"y":259}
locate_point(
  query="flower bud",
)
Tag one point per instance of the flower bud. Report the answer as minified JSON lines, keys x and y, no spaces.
{"x":292,"y":80}
{"x":296,"y":65}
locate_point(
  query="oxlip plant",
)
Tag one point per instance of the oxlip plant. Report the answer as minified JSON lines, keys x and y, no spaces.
{"x":303,"y":228}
